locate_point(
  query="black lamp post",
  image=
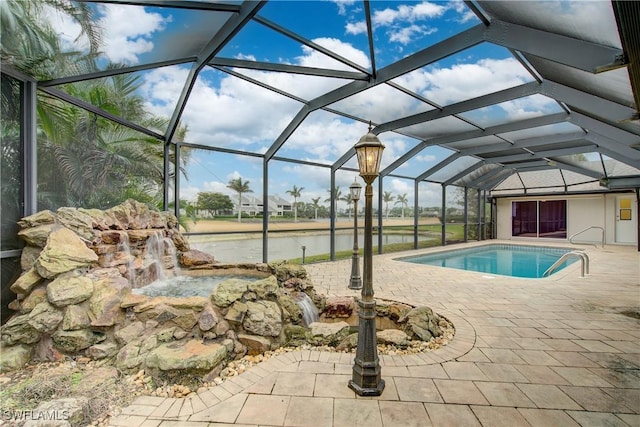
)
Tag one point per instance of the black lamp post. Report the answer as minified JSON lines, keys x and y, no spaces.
{"x":366,"y":379}
{"x":356,"y":280}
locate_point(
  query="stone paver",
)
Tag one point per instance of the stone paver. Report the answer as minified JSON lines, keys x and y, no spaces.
{"x":310,"y":412}
{"x":593,"y":419}
{"x":554,"y":351}
{"x":463,"y":371}
{"x":264,"y":409}
{"x":499,"y":416}
{"x":462,"y":392}
{"x":350,"y":412}
{"x":540,"y":374}
{"x":417,"y":390}
{"x":504,"y":394}
{"x":501,"y":372}
{"x":545,"y":418}
{"x":451,"y":415}
{"x":548,"y":396}
{"x":408,"y":414}
{"x":295,"y":384}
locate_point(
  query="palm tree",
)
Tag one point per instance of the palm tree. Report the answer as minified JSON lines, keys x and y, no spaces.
{"x":295,"y":193}
{"x":347,"y":198}
{"x":124,"y":163}
{"x":30,"y":44}
{"x":387,"y":197}
{"x":338,"y":193}
{"x":316,"y":205}
{"x":84,"y":160}
{"x":402,"y":199}
{"x":239,"y":187}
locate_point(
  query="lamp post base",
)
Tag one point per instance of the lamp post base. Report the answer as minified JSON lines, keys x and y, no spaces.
{"x":369,"y":391}
{"x":366,"y":380}
{"x":355,"y":283}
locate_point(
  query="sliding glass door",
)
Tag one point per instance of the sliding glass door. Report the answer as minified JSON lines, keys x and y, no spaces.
{"x":539,"y":218}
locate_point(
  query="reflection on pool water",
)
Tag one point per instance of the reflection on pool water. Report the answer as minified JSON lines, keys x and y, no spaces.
{"x":506,"y":260}
{"x":188,"y":286}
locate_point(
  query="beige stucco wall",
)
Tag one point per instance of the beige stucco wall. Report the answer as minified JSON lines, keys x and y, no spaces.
{"x":583,"y":211}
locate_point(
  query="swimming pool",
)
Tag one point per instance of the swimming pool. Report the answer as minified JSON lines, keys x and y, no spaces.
{"x":506,"y":260}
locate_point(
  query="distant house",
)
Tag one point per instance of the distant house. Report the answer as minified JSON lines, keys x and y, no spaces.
{"x":253,"y":206}
{"x":278,"y":206}
{"x":434,"y":213}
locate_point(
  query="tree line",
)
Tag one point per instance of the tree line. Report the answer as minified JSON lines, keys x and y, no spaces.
{"x":219,"y":204}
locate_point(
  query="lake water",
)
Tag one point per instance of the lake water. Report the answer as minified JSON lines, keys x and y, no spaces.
{"x":284,"y":247}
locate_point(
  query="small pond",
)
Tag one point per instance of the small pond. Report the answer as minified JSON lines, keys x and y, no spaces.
{"x":189,"y":286}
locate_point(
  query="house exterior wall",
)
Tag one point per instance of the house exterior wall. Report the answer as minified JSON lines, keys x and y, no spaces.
{"x":583,"y":211}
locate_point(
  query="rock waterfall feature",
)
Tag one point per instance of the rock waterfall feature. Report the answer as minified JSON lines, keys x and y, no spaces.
{"x":76,"y":297}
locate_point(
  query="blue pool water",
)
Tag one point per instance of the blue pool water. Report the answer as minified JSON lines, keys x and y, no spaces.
{"x":506,"y":260}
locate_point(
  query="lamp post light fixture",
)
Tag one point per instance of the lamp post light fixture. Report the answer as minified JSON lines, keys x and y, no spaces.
{"x":356,"y":280}
{"x":366,"y":379}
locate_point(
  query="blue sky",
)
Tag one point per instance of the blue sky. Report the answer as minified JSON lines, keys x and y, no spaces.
{"x":227,"y":112}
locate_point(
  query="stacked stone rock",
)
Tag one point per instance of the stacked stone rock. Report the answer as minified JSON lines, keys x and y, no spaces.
{"x":75,"y":271}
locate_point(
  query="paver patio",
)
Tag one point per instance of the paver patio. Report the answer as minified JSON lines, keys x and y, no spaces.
{"x":527,"y":352}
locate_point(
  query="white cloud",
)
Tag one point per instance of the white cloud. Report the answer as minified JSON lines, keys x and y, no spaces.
{"x":427,"y":10}
{"x":531,"y":106}
{"x":401,"y":186}
{"x":161,"y":88}
{"x":381,"y":104}
{"x":234,"y":113}
{"x":430,"y":194}
{"x":404,"y":13}
{"x":342,"y":5}
{"x":234,"y":175}
{"x":221,"y":187}
{"x":465,"y":81}
{"x":356,"y":28}
{"x":325,"y":137}
{"x":315,"y":181}
{"x":465,"y":13}
{"x":426,"y":158}
{"x":68,"y":30}
{"x":395,"y":146}
{"x":127,"y":31}
{"x":216,"y":187}
{"x":400,"y":22}
{"x":406,"y":35}
{"x":189,"y":192}
{"x":313,"y":58}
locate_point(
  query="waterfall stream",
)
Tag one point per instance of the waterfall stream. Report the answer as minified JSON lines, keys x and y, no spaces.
{"x":157,"y":261}
{"x":309,"y":309}
{"x":157,"y":248}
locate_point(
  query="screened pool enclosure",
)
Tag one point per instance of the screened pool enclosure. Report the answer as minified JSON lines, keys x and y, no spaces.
{"x":164,"y":100}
